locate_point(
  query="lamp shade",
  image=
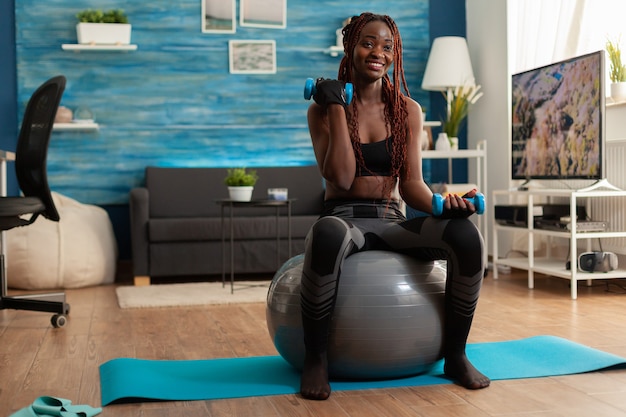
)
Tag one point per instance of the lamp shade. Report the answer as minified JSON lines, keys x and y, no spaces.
{"x":448,"y":64}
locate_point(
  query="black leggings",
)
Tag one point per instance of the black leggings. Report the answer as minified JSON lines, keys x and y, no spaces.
{"x":348,"y":227}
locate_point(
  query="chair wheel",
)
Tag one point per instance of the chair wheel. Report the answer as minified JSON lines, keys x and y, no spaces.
{"x":58,"y":320}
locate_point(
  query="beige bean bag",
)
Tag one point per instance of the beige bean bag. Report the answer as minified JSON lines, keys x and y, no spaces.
{"x":78,"y":251}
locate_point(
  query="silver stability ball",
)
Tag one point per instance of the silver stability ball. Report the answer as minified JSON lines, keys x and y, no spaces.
{"x":388,"y":319}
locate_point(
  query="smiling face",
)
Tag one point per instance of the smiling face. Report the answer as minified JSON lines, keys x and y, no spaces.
{"x":373,"y":53}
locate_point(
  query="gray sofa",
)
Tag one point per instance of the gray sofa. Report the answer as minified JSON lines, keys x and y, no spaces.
{"x":176,"y":228}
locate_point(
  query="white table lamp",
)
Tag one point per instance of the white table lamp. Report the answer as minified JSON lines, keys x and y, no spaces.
{"x":448,"y":66}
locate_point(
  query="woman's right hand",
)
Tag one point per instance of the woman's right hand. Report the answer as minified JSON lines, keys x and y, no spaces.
{"x":329,"y":91}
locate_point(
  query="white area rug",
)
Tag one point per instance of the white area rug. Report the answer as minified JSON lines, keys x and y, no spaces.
{"x":191,"y":294}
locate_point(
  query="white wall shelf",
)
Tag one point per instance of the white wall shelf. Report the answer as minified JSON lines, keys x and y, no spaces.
{"x":334,"y":50}
{"x":548,"y":265}
{"x":429,"y":123}
{"x":75,"y":126}
{"x":454,"y":154}
{"x":480,"y":154}
{"x":97,"y":48}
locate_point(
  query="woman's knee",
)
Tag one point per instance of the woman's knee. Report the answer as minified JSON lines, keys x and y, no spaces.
{"x":329,"y":239}
{"x":465,"y":240}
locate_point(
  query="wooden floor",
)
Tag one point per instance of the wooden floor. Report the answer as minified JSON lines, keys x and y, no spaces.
{"x":36,"y":359}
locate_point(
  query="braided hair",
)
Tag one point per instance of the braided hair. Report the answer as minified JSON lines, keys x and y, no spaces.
{"x":396,"y":114}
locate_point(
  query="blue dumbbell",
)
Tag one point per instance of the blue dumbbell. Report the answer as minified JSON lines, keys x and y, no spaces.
{"x":478,"y":200}
{"x":309,"y":90}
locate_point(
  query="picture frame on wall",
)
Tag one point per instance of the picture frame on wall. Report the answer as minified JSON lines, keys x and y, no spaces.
{"x":263,"y":13}
{"x":252,"y":56}
{"x":219,"y":16}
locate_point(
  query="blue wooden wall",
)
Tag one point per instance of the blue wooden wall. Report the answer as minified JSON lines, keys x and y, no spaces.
{"x":8,"y":110}
{"x":173,"y":102}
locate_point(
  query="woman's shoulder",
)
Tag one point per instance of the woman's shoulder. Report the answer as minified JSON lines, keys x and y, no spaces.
{"x":411,"y":105}
{"x":413,"y":109}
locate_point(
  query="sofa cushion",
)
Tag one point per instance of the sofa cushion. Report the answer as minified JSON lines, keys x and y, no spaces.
{"x":169,"y":259}
{"x":191,"y":192}
{"x":244,"y":228}
{"x":304,"y":184}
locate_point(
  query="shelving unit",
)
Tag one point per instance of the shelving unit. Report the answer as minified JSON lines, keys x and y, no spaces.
{"x":547,"y":265}
{"x":97,"y":48}
{"x":75,"y":126}
{"x":479,"y":154}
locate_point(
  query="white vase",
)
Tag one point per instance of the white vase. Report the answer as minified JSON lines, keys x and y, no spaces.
{"x":339,"y":41}
{"x":454,"y":143}
{"x":425,"y":140}
{"x":103,"y":33}
{"x":241,"y":193}
{"x":442,"y":143}
{"x":618,"y":91}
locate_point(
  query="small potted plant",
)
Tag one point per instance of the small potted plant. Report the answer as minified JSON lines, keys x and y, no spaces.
{"x":617,"y":71}
{"x":240,"y":183}
{"x":97,"y":27}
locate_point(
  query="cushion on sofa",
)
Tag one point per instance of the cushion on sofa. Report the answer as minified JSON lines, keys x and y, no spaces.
{"x":191,"y":192}
{"x":210,"y":229}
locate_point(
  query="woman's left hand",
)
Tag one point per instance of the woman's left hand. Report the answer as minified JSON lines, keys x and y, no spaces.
{"x":456,"y":206}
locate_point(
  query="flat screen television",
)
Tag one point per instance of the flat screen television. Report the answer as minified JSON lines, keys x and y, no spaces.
{"x":558,"y":120}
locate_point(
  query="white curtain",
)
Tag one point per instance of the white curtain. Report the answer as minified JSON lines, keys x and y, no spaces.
{"x":546,"y":31}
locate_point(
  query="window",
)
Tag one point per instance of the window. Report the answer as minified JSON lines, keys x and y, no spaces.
{"x":542,"y":32}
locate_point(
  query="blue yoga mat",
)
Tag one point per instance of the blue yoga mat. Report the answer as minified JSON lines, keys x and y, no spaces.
{"x":138,"y":379}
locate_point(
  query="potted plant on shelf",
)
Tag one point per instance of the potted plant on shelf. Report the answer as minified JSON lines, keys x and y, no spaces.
{"x":240,"y":183}
{"x":458,"y":103}
{"x":617,"y":71}
{"x":97,"y":27}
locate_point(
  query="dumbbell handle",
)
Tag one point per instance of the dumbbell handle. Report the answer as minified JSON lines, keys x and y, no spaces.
{"x":478,"y":201}
{"x":309,"y":90}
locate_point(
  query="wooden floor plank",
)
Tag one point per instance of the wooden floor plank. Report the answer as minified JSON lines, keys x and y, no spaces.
{"x":36,"y":359}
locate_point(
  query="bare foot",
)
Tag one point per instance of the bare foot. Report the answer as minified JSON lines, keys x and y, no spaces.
{"x":462,"y":371}
{"x":314,"y":383}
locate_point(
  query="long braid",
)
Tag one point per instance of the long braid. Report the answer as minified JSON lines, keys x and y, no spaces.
{"x":396,"y":114}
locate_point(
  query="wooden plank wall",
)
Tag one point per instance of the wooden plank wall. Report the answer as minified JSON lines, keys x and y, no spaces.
{"x":173,"y":102}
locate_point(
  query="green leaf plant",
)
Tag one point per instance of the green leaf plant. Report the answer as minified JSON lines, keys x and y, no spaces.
{"x":239,"y":177}
{"x":99,"y":16}
{"x":617,"y":70}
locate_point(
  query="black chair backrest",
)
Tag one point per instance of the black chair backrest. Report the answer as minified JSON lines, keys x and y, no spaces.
{"x":32,"y":144}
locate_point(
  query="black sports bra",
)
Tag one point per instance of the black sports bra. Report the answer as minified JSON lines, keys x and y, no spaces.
{"x":377,"y":159}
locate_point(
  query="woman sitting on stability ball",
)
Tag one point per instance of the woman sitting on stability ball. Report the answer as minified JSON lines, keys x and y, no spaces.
{"x":367,"y":149}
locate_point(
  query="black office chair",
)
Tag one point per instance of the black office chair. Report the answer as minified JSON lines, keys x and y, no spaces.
{"x":30,"y":169}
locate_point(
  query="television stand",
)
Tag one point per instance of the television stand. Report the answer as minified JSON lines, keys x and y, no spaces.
{"x":603,"y":183}
{"x":578,"y":235}
{"x":524,"y":186}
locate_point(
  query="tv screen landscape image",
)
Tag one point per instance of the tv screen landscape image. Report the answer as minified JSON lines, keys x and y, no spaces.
{"x":558,"y":120}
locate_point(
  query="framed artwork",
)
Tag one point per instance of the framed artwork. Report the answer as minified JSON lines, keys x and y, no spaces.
{"x":252,"y":56}
{"x":263,"y":13}
{"x":218,"y":16}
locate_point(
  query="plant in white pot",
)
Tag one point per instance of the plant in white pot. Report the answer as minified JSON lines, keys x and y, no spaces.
{"x":617,"y":71}
{"x":96,"y":27}
{"x":240,"y":183}
{"x":459,"y":101}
